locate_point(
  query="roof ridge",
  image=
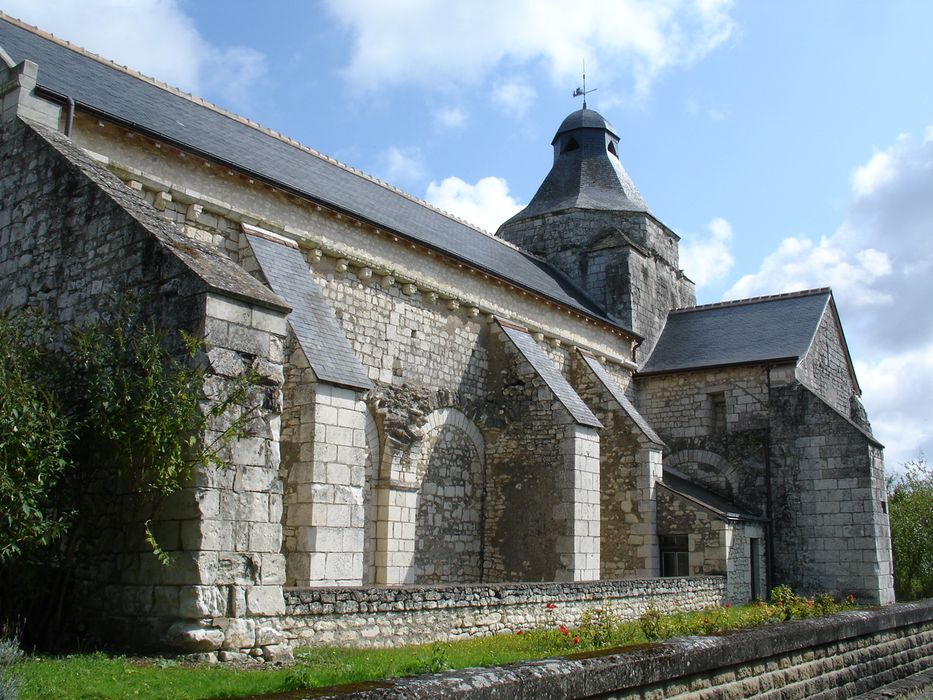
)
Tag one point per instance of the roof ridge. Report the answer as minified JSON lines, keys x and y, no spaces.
{"x":241,"y":119}
{"x":753,"y":300}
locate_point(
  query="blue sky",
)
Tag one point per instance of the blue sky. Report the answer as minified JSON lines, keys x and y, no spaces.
{"x":789,"y":144}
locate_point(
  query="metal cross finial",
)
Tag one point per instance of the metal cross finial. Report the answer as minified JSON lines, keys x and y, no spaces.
{"x":583,"y":91}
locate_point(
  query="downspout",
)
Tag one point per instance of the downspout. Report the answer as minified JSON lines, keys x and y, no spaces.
{"x":69,"y":115}
{"x":65,"y":101}
{"x":769,"y":529}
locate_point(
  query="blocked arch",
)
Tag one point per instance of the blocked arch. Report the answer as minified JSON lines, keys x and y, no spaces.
{"x":729,"y":472}
{"x":448,"y":463}
{"x":454,"y":418}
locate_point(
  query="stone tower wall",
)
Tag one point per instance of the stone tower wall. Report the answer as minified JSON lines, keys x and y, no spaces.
{"x":626,"y":261}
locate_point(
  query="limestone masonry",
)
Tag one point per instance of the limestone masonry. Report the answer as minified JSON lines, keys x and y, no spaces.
{"x":453,"y":428}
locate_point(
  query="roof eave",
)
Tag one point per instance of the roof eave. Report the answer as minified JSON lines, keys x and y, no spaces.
{"x":701,"y":368}
{"x":141,"y":129}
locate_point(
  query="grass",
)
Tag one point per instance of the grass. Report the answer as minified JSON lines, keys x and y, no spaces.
{"x":102,"y":677}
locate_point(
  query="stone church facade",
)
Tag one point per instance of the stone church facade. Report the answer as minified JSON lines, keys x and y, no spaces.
{"x":441,"y":407}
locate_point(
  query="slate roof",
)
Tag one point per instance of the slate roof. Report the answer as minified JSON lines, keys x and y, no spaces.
{"x":620,"y":397}
{"x":318,"y":332}
{"x":750,"y":331}
{"x":546,"y":369}
{"x":712,"y":501}
{"x":586,"y":177}
{"x":585,"y":119}
{"x":121,"y":96}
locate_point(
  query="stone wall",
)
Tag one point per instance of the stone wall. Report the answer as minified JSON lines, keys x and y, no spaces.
{"x":825,"y":368}
{"x":542,"y":476}
{"x":842,"y":656}
{"x":374,"y":617}
{"x":629,"y":466}
{"x":717,"y":545}
{"x":731,"y":461}
{"x":627,"y":261}
{"x":73,"y":241}
{"x":830,"y":520}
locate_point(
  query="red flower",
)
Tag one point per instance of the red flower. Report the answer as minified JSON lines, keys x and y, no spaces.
{"x":564,"y":631}
{"x":520,"y":632}
{"x":550,"y":606}
{"x":727,"y":605}
{"x":576,"y":640}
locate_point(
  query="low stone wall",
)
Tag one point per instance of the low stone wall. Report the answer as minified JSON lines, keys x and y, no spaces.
{"x":838,"y":657}
{"x":387,"y":616}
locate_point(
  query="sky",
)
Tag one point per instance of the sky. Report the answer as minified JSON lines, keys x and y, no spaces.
{"x":789,"y":144}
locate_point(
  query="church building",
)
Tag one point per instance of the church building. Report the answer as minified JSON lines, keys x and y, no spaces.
{"x":446,"y":414}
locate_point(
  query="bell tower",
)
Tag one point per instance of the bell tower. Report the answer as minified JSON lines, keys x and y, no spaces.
{"x":589,"y":220}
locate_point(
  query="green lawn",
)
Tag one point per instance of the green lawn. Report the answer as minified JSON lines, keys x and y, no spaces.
{"x":100,"y":676}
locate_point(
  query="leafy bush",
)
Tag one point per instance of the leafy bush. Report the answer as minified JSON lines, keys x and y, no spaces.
{"x":910,"y":505}
{"x":116,"y":406}
{"x":652,"y":624}
{"x":35,"y":436}
{"x":10,"y":655}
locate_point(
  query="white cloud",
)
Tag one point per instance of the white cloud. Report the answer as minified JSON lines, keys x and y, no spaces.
{"x":875,"y":173}
{"x":708,"y":259}
{"x":401,"y":165}
{"x":450,"y":117}
{"x":880,"y":265}
{"x":486,"y":204}
{"x":154,"y":37}
{"x":439,"y":42}
{"x":801,"y":263}
{"x":515,"y":97}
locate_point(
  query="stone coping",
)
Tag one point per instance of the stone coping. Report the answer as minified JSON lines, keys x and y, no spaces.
{"x":595,"y":674}
{"x":344,"y":599}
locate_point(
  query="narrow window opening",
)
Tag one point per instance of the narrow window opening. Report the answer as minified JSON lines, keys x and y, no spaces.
{"x":717,"y":404}
{"x":570,"y":145}
{"x":612,"y":149}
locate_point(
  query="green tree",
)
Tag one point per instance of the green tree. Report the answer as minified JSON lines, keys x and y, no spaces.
{"x":34,"y":439}
{"x":910,"y":508}
{"x":91,"y":415}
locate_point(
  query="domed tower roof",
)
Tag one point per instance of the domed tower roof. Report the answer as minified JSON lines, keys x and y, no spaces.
{"x":585,"y":119}
{"x":586,"y":173}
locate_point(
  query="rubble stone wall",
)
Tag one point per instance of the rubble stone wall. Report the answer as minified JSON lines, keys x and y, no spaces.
{"x":374,"y":617}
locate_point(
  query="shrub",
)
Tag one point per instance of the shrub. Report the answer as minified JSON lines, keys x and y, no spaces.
{"x":10,"y":655}
{"x":910,"y":503}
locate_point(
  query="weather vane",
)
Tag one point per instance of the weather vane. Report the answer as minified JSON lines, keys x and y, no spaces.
{"x":583,"y":91}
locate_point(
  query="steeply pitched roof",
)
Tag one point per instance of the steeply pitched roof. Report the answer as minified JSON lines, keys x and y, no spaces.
{"x":763,"y":329}
{"x":585,"y":175}
{"x":121,"y":96}
{"x":685,"y":488}
{"x":546,"y":369}
{"x":616,"y":391}
{"x":317,"y":329}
